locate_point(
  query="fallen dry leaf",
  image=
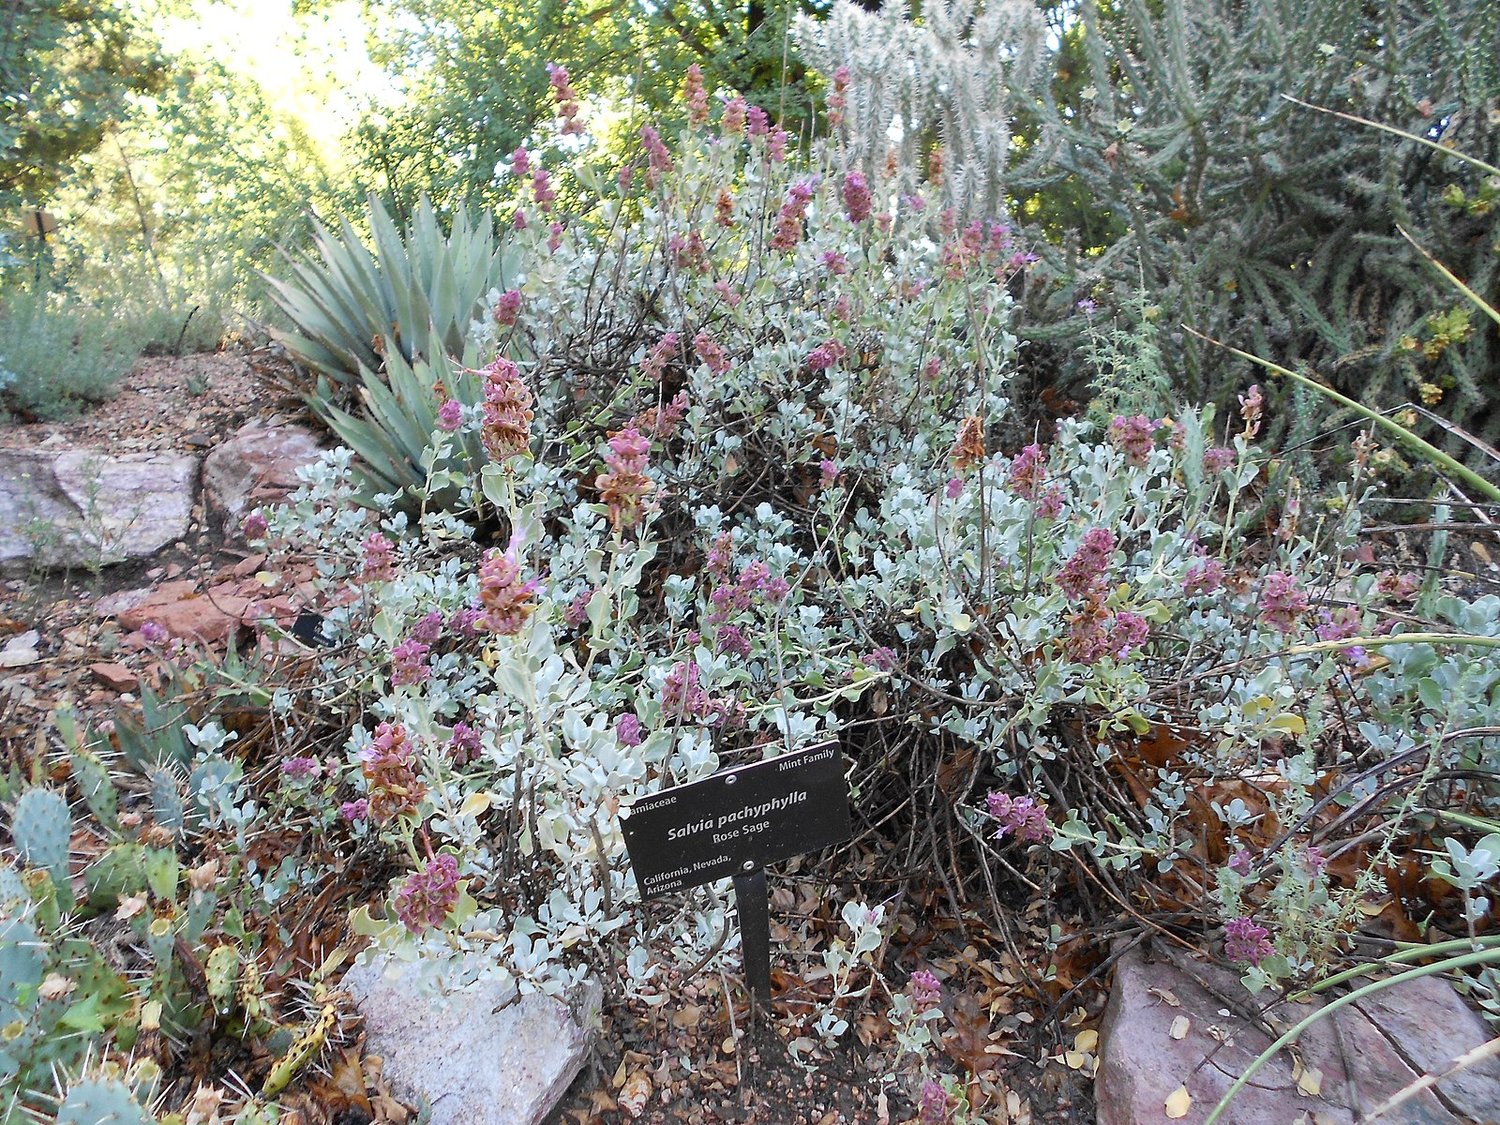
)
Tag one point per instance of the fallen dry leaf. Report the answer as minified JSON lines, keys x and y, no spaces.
{"x":1179,"y":1101}
{"x":635,"y":1093}
{"x":55,"y":987}
{"x":687,"y":1017}
{"x":1180,"y":1027}
{"x":1086,"y":1040}
{"x":1310,"y":1082}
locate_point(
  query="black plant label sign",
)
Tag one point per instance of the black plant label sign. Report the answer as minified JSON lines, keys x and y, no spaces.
{"x":738,"y":820}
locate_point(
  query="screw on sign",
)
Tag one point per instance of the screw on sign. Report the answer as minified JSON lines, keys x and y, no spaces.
{"x":733,"y":824}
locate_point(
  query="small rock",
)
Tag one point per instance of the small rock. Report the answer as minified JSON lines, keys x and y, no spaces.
{"x":247,"y":566}
{"x":21,"y":650}
{"x":479,"y":1056}
{"x":112,"y":604}
{"x":210,"y":616}
{"x":117,"y":677}
{"x":258,"y":465}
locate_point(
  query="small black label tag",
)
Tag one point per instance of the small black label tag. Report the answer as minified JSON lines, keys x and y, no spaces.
{"x":763,"y":812}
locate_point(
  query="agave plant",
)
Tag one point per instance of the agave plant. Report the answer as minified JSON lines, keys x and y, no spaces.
{"x":392,"y":432}
{"x":356,"y":308}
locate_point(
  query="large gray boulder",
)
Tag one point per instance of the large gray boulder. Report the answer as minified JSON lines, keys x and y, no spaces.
{"x":480,"y":1055}
{"x":1347,"y":1063}
{"x":81,"y":508}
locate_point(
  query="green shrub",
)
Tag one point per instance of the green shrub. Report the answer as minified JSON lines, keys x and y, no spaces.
{"x":58,"y":355}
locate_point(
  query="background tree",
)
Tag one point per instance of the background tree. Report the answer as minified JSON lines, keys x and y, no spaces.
{"x":67,"y":71}
{"x":473,"y":84}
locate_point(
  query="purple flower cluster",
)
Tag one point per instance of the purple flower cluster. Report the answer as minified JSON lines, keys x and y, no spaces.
{"x":409,"y":663}
{"x":426,"y":897}
{"x":1135,"y":435}
{"x":825,"y":355}
{"x":1028,"y":472}
{"x":733,"y":123}
{"x":450,"y":416}
{"x":629,"y":731}
{"x":689,"y":252}
{"x":1023,"y":816}
{"x":429,"y":630}
{"x":662,"y":422}
{"x":1340,"y":625}
{"x":1083,"y":575}
{"x":660,"y":354}
{"x":541,"y":189}
{"x":835,"y":263}
{"x":387,"y":763}
{"x":463,"y":744}
{"x":934,"y":1107}
{"x":1246,"y":942}
{"x":464,"y":624}
{"x":377,"y":563}
{"x":1203,"y":577}
{"x":709,"y":351}
{"x":838,"y":97}
{"x":507,"y":600}
{"x":1217,"y":458}
{"x":789,"y":218}
{"x":301,"y":769}
{"x":576,"y":615}
{"x":1282,"y":601}
{"x":506,"y":430}
{"x":882,"y":658}
{"x":731,"y":639}
{"x":658,"y":159}
{"x":683,"y":698}
{"x":755,"y":583}
{"x":507,"y":308}
{"x":696,"y":96}
{"x":567,"y":99}
{"x":856,"y":194}
{"x":1095,"y":633}
{"x":625,"y":485}
{"x":924,"y":989}
{"x":255,"y":526}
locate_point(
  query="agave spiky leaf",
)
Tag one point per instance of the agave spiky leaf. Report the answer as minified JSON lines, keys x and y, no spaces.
{"x":392,"y":434}
{"x":353,"y":306}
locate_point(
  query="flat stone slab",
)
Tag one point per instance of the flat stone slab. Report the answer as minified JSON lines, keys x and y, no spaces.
{"x":1350,"y":1062}
{"x":478,"y":1056}
{"x":255,"y":468}
{"x":81,"y":508}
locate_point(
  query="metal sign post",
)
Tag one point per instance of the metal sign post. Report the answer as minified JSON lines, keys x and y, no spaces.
{"x":752,"y":898}
{"x":733,"y":824}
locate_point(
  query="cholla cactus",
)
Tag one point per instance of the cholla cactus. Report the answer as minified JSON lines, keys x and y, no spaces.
{"x":948,"y":74}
